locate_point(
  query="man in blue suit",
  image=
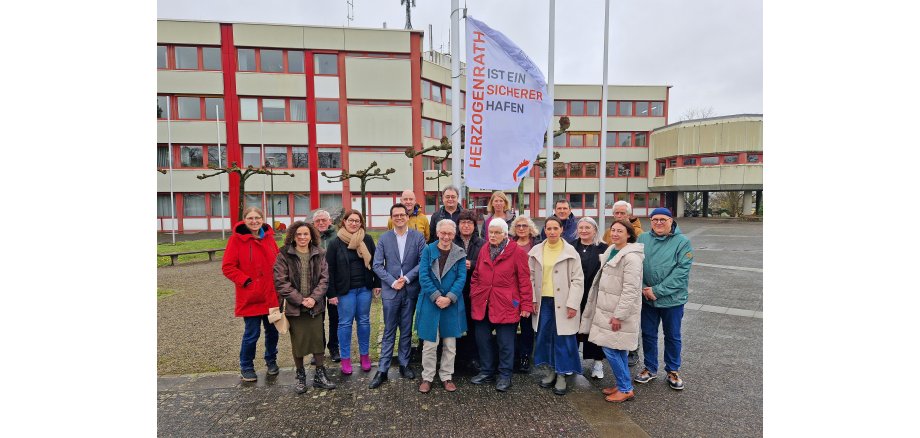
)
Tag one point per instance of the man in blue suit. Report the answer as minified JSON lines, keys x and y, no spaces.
{"x":396,"y":262}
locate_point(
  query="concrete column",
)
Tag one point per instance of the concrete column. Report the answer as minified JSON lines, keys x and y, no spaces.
{"x":759,"y":201}
{"x":680,"y":205}
{"x":748,"y":203}
{"x":705,"y":212}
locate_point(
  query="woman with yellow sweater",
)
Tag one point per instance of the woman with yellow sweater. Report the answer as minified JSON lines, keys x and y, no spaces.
{"x":558,"y":282}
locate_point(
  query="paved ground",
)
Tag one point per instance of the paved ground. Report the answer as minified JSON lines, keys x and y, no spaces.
{"x":722,"y":369}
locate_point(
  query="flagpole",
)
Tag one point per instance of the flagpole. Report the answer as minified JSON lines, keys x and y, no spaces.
{"x":172,"y":200}
{"x":262,"y":163}
{"x":220,"y":185}
{"x":550,"y":89}
{"x":455,"y":91}
{"x":602,"y":197}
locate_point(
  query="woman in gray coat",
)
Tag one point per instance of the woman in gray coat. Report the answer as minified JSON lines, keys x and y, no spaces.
{"x":612,"y":312}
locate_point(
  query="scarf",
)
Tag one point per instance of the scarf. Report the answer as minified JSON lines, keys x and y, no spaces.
{"x":356,"y":242}
{"x":494,"y":251}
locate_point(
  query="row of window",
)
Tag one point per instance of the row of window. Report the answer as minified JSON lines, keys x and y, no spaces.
{"x":279,"y":157}
{"x":708,"y":160}
{"x":429,"y":164}
{"x":591,"y":139}
{"x":209,"y":204}
{"x":436,"y":92}
{"x":286,"y":109}
{"x":171,"y":57}
{"x":188,"y":58}
{"x":590,"y":170}
{"x":435,"y":129}
{"x":615,"y":108}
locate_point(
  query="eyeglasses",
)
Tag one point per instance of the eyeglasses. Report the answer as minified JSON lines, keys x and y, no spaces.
{"x":495,"y":233}
{"x":660,"y":221}
{"x":253,"y":219}
{"x":353,"y":221}
{"x":521,"y":226}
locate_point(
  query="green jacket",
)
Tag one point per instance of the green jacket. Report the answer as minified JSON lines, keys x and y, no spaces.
{"x":666,"y":268}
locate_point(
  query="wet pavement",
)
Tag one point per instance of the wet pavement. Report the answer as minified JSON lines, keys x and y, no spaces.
{"x":722,"y":369}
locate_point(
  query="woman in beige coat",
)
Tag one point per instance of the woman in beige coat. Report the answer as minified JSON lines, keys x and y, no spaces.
{"x":613,"y":309}
{"x":558,"y":281}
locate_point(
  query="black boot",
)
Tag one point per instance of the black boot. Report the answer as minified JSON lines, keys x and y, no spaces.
{"x":320,"y":380}
{"x":301,"y":386}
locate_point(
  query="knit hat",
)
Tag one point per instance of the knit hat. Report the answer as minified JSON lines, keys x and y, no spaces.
{"x":661,"y":210}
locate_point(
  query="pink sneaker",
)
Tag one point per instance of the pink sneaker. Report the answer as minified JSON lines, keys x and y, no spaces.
{"x":346,"y":366}
{"x":365,"y":362}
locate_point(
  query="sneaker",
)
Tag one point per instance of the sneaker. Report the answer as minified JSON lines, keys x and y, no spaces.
{"x":248,"y":375}
{"x":598,"y":371}
{"x":273,"y":369}
{"x":645,"y":376}
{"x":674,"y":381}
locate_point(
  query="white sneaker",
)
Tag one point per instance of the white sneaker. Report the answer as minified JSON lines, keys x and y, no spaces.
{"x":598,"y":370}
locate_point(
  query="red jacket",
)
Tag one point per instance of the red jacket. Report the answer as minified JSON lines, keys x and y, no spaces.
{"x":248,"y":257}
{"x":502,"y":285}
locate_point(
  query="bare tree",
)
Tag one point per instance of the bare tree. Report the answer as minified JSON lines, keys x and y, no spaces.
{"x":408,"y":12}
{"x":729,"y":202}
{"x":693,"y":201}
{"x":697,"y":113}
{"x":364,"y":176}
{"x":244,"y":174}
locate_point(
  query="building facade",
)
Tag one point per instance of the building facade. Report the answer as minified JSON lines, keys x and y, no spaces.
{"x":308,"y":100}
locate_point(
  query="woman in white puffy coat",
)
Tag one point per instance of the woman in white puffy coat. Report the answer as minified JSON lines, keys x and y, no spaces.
{"x":612,"y":312}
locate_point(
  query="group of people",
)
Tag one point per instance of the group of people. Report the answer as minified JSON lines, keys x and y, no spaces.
{"x":497,"y":300}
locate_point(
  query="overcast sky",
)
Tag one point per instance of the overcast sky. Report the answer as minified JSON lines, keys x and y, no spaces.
{"x":710,"y":51}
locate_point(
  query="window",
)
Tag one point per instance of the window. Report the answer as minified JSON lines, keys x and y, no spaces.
{"x":298,"y":110}
{"x":214,"y":108}
{"x":271,"y":61}
{"x":626,"y":109}
{"x":327,"y":111}
{"x":591,"y":170}
{"x":330,"y":158}
{"x":437,"y":129}
{"x":576,"y":170}
{"x":625,"y":139}
{"x":161,"y":57}
{"x":559,"y":108}
{"x":641,"y":139}
{"x":191,"y":156}
{"x":558,"y":170}
{"x":426,"y":89}
{"x":325,"y":64}
{"x":253,"y":200}
{"x":577,"y":108}
{"x":560,"y":140}
{"x":249,"y":109}
{"x":162,"y":156}
{"x":252,"y":156}
{"x":657,"y":109}
{"x":672,"y":162}
{"x":190,"y":108}
{"x":295,"y":61}
{"x":213,"y":159}
{"x":709,"y":161}
{"x":193,"y":205}
{"x":590,"y":200}
{"x":611,"y":139}
{"x":623,"y":169}
{"x":654,"y":200}
{"x":591,"y":140}
{"x":662,"y":166}
{"x":216,"y":199}
{"x":301,"y":204}
{"x":611,"y":169}
{"x":575,"y":201}
{"x":330,"y":201}
{"x":431,"y":202}
{"x":753,"y":158}
{"x":162,"y":110}
{"x":426,"y":128}
{"x":187,"y":58}
{"x":639,"y":200}
{"x":730,"y":159}
{"x":278,"y":206}
{"x":300,"y":157}
{"x":163,"y":205}
{"x":436,"y":93}
{"x":448,"y":95}
{"x":211,"y":58}
{"x":639,"y":169}
{"x":594,"y":108}
{"x":576,"y":141}
{"x":273,"y":110}
{"x":642,"y":109}
{"x":246,"y":59}
{"x":689,"y":161}
{"x":276,"y":156}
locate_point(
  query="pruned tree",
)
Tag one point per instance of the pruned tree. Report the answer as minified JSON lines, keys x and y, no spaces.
{"x":372,"y":172}
{"x":408,"y":12}
{"x":697,"y":113}
{"x":728,"y":202}
{"x":244,"y":174}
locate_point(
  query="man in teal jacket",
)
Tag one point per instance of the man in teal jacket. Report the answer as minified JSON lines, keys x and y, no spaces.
{"x":665,"y":277}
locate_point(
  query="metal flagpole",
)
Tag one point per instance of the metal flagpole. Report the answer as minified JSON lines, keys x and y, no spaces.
{"x":172,"y":200}
{"x":262,"y":164}
{"x":455,"y":91}
{"x":550,"y":88}
{"x":220,"y":185}
{"x":602,"y":199}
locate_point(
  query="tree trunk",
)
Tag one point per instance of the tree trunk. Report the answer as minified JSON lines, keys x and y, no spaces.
{"x":364,"y":200}
{"x":521,"y":198}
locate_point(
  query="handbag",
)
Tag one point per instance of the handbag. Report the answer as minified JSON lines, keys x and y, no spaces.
{"x":277,"y":317}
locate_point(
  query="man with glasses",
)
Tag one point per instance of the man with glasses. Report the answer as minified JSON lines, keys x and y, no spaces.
{"x":417,"y":222}
{"x":322,"y":220}
{"x":665,"y":278}
{"x":450,"y":209}
{"x":396,"y":262}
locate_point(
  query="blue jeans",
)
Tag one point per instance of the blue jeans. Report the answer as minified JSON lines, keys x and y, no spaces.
{"x":251,"y":337}
{"x":669,"y":318}
{"x":355,"y":304}
{"x":619,"y":363}
{"x":560,"y":352}
{"x":504,"y":338}
{"x":397,"y":313}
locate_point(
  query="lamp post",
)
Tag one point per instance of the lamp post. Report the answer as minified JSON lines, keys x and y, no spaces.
{"x":268,"y":164}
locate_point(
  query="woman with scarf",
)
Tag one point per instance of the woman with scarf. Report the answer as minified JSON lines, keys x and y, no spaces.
{"x":351,"y":280}
{"x":589,"y":249}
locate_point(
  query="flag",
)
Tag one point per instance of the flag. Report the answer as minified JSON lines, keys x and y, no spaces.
{"x":507,"y":111}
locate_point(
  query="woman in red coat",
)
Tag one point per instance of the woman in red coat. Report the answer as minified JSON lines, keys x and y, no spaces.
{"x":248,"y":262}
{"x":500,"y":294}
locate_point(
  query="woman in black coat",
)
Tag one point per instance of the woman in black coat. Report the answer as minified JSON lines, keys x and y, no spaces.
{"x":590,"y":249}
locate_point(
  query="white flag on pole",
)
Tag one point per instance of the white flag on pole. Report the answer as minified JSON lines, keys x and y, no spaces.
{"x":507,"y":112}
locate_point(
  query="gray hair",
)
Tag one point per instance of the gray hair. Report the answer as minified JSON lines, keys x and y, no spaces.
{"x":624,"y":203}
{"x":534,"y":232}
{"x":319,"y":212}
{"x":443,"y":223}
{"x":591,"y":222}
{"x":451,"y":187}
{"x":500,"y":224}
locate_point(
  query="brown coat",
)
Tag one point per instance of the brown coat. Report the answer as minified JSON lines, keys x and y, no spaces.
{"x":287,"y":280}
{"x":568,"y":278}
{"x":616,"y":293}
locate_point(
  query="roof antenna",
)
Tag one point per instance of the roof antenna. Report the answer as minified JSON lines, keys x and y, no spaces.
{"x":350,"y":11}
